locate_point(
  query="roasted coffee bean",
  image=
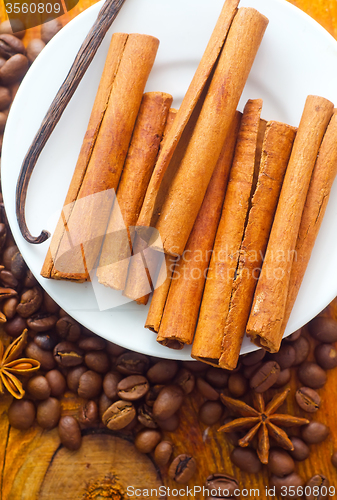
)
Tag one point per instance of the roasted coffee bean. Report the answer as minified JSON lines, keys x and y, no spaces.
{"x":7,"y":278}
{"x":171,"y":424}
{"x":92,"y":344}
{"x":182,"y":468}
{"x":18,"y":266}
{"x":30,"y":302}
{"x":38,"y":387}
{"x":315,"y":432}
{"x":10,"y":45}
{"x":34,"y":47}
{"x":70,"y":433}
{"x":147,"y":440}
{"x":210,"y":412}
{"x":45,"y":358}
{"x":320,"y":483}
{"x":14,"y":69}
{"x":308,"y":399}
{"x":97,"y":361}
{"x":168,"y":402}
{"x":49,"y":304}
{"x":9,"y":307}
{"x":217,"y":377}
{"x":73,"y":377}
{"x":68,"y":354}
{"x":119,"y":415}
{"x":41,"y":322}
{"x":311,"y":375}
{"x":294,"y":336}
{"x":206,"y":390}
{"x":301,"y":451}
{"x":152,"y":394}
{"x":5,"y":98}
{"x":196,"y":367}
{"x":30,"y":280}
{"x":162,"y":453}
{"x":46,"y":341}
{"x":265,"y":377}
{"x":237,"y":385}
{"x":323,"y":329}
{"x":163,"y":371}
{"x":49,"y":29}
{"x":233,"y":437}
{"x":334,"y":459}
{"x":133,"y":427}
{"x":21,"y":414}
{"x":280,"y":462}
{"x":326,"y":356}
{"x":145,"y":417}
{"x":185,"y":379}
{"x":114,"y":350}
{"x":283,"y":378}
{"x":285,"y":357}
{"x":287,"y":485}
{"x":90,"y":385}
{"x":68,"y":329}
{"x":3,"y":230}
{"x":57,"y":383}
{"x":249,"y":371}
{"x":253,"y":357}
{"x":110,"y":383}
{"x":246,"y":459}
{"x":302,"y":348}
{"x":132,"y":363}
{"x":133,"y":387}
{"x":223,"y":484}
{"x":8,"y":254}
{"x":16,"y":25}
{"x":88,"y":414}
{"x":103,"y":404}
{"x":48,"y":413}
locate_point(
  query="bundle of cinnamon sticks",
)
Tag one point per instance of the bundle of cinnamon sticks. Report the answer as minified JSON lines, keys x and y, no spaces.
{"x":213,"y":210}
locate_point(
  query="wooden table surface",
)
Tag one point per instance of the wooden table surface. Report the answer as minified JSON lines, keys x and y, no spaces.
{"x":33,"y":465}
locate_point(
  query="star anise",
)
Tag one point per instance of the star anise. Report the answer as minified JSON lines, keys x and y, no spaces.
{"x":10,"y":366}
{"x":263,"y":421}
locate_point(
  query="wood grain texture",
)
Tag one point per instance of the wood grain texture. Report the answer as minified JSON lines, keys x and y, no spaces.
{"x":26,"y":458}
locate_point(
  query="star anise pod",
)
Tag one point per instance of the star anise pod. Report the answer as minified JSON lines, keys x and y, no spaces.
{"x":10,"y":366}
{"x":263,"y":421}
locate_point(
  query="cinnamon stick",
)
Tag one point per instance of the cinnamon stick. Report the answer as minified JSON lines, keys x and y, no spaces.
{"x":225,"y":257}
{"x":139,"y":163}
{"x":188,"y":188}
{"x":268,"y":309}
{"x":182,"y":306}
{"x":85,"y":221}
{"x":276,"y":149}
{"x":324,"y":173}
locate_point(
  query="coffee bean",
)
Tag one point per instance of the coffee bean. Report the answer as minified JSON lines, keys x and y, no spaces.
{"x":21,"y":414}
{"x":163,"y":371}
{"x":206,"y":390}
{"x":249,"y":371}
{"x":217,"y":377}
{"x":10,"y":45}
{"x":103,"y":404}
{"x":294,"y":336}
{"x":7,"y":278}
{"x":265,"y":377}
{"x":132,"y":388}
{"x":46,"y":341}
{"x":38,"y":387}
{"x":114,"y":350}
{"x":171,"y":424}
{"x":119,"y":415}
{"x":70,"y":433}
{"x":334,"y":459}
{"x":162,"y":453}
{"x":41,"y":322}
{"x":246,"y":459}
{"x":168,"y":402}
{"x":49,"y":304}
{"x":90,"y":385}
{"x":283,"y":485}
{"x":285,"y":357}
{"x":283,"y":378}
{"x":92,"y":344}
{"x":14,"y":69}
{"x":30,"y":302}
{"x":48,"y":413}
{"x":110,"y":383}
{"x":18,"y":266}
{"x":195,"y":366}
{"x":311,"y":375}
{"x":152,"y":394}
{"x":237,"y":385}
{"x":308,"y":399}
{"x":320,"y":483}
{"x":57,"y":383}
{"x":88,"y":414}
{"x":145,"y":417}
{"x":30,"y":280}
{"x":182,"y":468}
{"x":68,"y":354}
{"x":147,"y":440}
{"x":210,"y":412}
{"x":280,"y":462}
{"x":16,"y":25}
{"x":302,"y":348}
{"x":326,"y":356}
{"x":97,"y":361}
{"x":45,"y":358}
{"x":315,"y":432}
{"x":185,"y":379}
{"x":49,"y":29}
{"x":34,"y":47}
{"x":3,"y":230}
{"x":301,"y":451}
{"x":73,"y":377}
{"x":323,"y":329}
{"x":9,"y":307}
{"x":224,"y":484}
{"x":68,"y":329}
{"x":253,"y":357}
{"x":5,"y":98}
{"x":8,"y":254}
{"x":132,"y":363}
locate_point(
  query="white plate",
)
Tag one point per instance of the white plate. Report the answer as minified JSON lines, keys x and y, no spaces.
{"x":297,"y":57}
